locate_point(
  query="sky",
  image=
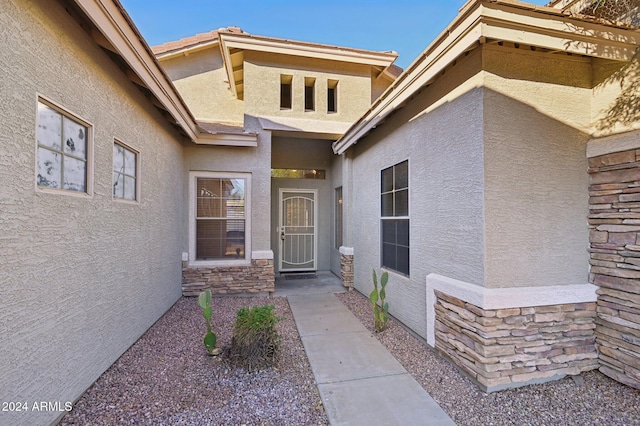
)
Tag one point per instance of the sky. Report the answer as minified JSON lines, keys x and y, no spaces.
{"x":404,"y":26}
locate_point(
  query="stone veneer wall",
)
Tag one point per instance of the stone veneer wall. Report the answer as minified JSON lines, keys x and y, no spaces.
{"x":614,"y":221}
{"x":506,"y":348}
{"x":346,"y":270}
{"x":259,"y":277}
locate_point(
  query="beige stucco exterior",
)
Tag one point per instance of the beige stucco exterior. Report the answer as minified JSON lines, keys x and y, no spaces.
{"x":81,"y":276}
{"x":200,"y":78}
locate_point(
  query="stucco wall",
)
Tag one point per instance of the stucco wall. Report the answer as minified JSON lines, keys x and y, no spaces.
{"x":336,"y":181}
{"x":535,"y":162}
{"x":201,"y":78}
{"x":81,"y":277}
{"x":262,"y":87}
{"x":445,"y":186}
{"x":252,"y":160}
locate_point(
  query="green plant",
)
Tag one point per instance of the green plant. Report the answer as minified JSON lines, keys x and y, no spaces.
{"x":255,"y":343}
{"x":210,"y":338}
{"x":381,"y":310}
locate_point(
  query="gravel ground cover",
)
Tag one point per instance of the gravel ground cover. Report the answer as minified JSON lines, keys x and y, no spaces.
{"x":167,"y":378}
{"x":590,"y":399}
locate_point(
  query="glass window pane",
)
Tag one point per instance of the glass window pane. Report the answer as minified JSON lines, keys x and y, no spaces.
{"x":129,"y":188}
{"x":49,"y":127}
{"x":389,"y":256}
{"x":75,"y":172}
{"x":401,"y":203}
{"x":387,"y":204}
{"x":389,"y":231}
{"x":75,"y":138}
{"x":402,"y":232}
{"x":236,"y":190}
{"x":129,"y":162}
{"x":402,"y":260}
{"x":402,"y":175}
{"x":118,"y":158}
{"x":387,"y":180}
{"x":49,"y":168}
{"x":118,"y":185}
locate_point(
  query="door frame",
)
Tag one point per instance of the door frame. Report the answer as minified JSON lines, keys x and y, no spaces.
{"x":313,"y":191}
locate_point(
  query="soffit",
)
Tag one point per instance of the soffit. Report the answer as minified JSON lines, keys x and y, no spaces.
{"x":497,"y":21}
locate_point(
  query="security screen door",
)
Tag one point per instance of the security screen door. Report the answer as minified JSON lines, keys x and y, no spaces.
{"x":298,"y":239}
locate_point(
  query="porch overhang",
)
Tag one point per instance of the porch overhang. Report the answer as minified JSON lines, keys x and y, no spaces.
{"x":497,"y":21}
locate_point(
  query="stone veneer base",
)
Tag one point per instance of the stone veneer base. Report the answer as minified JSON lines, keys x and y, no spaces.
{"x":614,"y":231}
{"x":256,"y":278}
{"x":346,"y":266}
{"x":513,"y":337}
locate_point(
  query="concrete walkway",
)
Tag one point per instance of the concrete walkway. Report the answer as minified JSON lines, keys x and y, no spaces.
{"x":360,"y":382}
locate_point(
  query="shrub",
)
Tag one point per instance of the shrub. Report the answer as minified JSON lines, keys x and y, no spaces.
{"x":380,"y":311}
{"x":255,"y":342}
{"x":210,"y":338}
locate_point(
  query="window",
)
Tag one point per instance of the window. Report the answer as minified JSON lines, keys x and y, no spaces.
{"x":298,"y":173}
{"x":309,"y":94}
{"x":125,"y":172}
{"x":285,"y":91}
{"x":395,"y":217}
{"x":338,"y":216}
{"x":332,"y":96}
{"x":219,"y":225}
{"x":63,"y":146}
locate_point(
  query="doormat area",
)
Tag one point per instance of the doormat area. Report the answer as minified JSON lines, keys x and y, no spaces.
{"x":299,"y":276}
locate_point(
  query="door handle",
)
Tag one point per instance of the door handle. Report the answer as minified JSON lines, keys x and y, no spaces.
{"x":282,"y":235}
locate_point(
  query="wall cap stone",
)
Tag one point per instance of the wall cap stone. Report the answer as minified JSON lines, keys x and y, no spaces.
{"x":347,"y":251}
{"x":502,"y":298}
{"x":614,"y":143}
{"x":262,"y":254}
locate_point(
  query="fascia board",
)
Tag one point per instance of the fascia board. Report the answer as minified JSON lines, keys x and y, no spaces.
{"x":482,"y":20}
{"x":558,"y":32}
{"x":227,"y":139}
{"x":106,"y":16}
{"x":228,"y":66}
{"x":295,"y":49}
{"x":185,"y":51}
{"x":460,"y":39}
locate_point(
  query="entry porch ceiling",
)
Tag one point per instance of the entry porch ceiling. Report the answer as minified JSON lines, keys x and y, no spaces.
{"x":505,"y":21}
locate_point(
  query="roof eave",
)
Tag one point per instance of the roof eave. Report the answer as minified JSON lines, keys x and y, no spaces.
{"x":496,"y":19}
{"x":113,"y":23}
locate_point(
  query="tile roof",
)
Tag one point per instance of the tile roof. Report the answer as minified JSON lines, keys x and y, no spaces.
{"x":193,"y":40}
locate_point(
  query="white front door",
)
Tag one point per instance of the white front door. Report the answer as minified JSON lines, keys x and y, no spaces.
{"x":297,"y":227}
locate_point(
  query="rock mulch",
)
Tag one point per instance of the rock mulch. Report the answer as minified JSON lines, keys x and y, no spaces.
{"x":166,"y":377}
{"x":588,"y":399}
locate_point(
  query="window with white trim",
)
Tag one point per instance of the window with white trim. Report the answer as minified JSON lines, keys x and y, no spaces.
{"x":125,"y":172}
{"x":63,"y":150}
{"x":394,"y":222}
{"x":219,"y":216}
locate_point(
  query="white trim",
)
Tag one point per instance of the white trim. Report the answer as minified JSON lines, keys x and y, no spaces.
{"x":347,"y":251}
{"x":90,"y":144}
{"x":262,"y":254}
{"x":615,"y":143}
{"x":193,"y":175}
{"x":502,"y":298}
{"x":228,"y":139}
{"x":117,"y":141}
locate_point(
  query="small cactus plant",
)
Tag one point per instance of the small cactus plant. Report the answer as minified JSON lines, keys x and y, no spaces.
{"x":381,"y":310}
{"x":210,"y":339}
